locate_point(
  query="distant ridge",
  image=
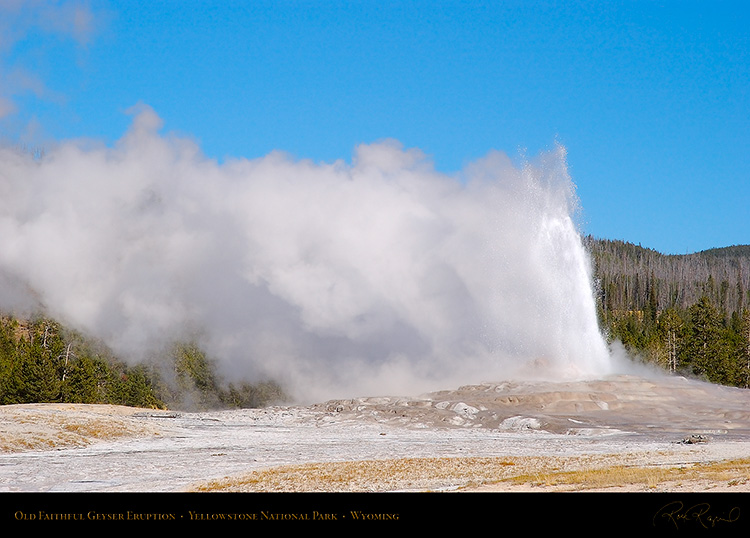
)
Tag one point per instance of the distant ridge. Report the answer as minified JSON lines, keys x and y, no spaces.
{"x":630,"y":277}
{"x":688,"y":313}
{"x":740,"y":251}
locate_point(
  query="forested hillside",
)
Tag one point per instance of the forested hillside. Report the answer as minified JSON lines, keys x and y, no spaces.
{"x":42,"y":361}
{"x":687,"y":313}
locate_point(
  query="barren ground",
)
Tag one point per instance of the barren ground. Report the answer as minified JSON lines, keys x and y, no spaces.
{"x":618,"y":434}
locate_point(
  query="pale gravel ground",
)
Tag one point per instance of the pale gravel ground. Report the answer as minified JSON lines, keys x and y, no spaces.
{"x":468,"y":439}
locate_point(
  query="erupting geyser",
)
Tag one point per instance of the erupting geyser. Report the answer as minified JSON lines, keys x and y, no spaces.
{"x":379,"y":276}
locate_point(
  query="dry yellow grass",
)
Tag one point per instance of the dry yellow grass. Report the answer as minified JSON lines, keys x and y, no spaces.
{"x":369,"y":475}
{"x":36,"y":428}
{"x":731,"y":473}
{"x":470,"y":474}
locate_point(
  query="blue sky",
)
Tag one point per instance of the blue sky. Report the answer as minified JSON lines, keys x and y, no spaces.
{"x":651,"y":99}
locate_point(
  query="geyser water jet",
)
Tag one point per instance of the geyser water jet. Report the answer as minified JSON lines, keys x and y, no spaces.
{"x":377,"y":276}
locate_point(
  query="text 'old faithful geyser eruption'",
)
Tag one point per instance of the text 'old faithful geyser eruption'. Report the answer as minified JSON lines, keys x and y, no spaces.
{"x":379,"y":276}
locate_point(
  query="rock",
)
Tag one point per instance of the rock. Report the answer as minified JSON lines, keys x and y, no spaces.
{"x":694,"y":438}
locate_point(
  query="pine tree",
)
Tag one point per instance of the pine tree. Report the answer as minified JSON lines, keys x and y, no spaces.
{"x":707,"y":348}
{"x":671,"y":330}
{"x":744,"y":351}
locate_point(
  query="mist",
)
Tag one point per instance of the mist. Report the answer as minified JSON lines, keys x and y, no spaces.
{"x":370,"y":277}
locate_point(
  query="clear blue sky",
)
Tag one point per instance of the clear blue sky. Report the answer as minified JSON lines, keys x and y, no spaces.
{"x":651,"y":99}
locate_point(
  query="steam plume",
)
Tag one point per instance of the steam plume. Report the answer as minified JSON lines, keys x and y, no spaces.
{"x":379,"y":276}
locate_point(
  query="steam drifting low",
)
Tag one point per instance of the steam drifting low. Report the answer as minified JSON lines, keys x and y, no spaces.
{"x":379,"y":276}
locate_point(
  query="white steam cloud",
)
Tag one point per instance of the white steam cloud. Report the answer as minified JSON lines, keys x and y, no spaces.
{"x":379,"y":276}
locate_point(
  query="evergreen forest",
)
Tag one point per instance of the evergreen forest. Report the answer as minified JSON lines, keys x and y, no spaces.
{"x":43,"y":361}
{"x":689,"y":314}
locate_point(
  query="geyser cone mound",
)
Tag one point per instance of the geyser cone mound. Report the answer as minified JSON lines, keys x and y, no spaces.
{"x":620,"y":404}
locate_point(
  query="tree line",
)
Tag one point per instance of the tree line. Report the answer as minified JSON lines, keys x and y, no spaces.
{"x":687,"y":313}
{"x":43,"y":361}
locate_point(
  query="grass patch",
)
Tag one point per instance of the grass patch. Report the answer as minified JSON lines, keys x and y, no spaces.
{"x":24,"y":430}
{"x":431,"y":474}
{"x":368,"y":475}
{"x":730,"y":472}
